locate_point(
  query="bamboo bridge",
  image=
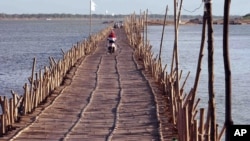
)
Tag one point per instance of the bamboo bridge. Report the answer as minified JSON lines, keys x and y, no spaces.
{"x":92,"y":95}
{"x":108,"y":98}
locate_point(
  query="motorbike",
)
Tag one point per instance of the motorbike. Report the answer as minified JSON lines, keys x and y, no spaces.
{"x":111,"y":46}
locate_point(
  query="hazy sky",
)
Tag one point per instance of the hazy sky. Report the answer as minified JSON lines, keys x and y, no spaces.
{"x":238,"y":7}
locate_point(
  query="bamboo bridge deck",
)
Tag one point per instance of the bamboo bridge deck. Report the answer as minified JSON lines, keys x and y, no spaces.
{"x":108,"y":98}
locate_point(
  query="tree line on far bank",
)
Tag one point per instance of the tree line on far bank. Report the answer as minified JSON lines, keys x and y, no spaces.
{"x":247,"y":16}
{"x":98,"y":16}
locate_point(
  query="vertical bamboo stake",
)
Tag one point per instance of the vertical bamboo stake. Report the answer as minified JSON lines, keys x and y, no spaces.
{"x":176,"y":21}
{"x":6,"y":111}
{"x":35,"y":93}
{"x":146,"y":27}
{"x":201,"y":54}
{"x":32,"y":83}
{"x":222,"y":132}
{"x":186,"y":118}
{"x":15,"y":110}
{"x":41,"y":86}
{"x":90,"y":18}
{"x":177,"y":90}
{"x":179,"y":14}
{"x":201,"y":135}
{"x":2,"y":130}
{"x":163,"y":29}
{"x":143,"y":35}
{"x":227,"y":68}
{"x":208,"y":124}
{"x":11,"y":111}
{"x":208,"y":4}
{"x":173,"y":101}
{"x":196,"y":132}
{"x":26,"y":99}
{"x":198,"y":69}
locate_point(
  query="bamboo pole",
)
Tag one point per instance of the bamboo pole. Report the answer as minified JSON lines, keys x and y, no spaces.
{"x":227,"y":68}
{"x":11,"y":111}
{"x":163,"y":30}
{"x":146,"y":34}
{"x":2,"y":129}
{"x":25,"y":105}
{"x":15,"y":110}
{"x":196,"y":131}
{"x":201,"y":54}
{"x":183,"y":85}
{"x":176,"y":56}
{"x":90,"y":18}
{"x":6,"y":112}
{"x":187,"y":126}
{"x":177,"y":90}
{"x":201,"y":127}
{"x":31,"y":94}
{"x":179,"y":14}
{"x":208,"y":4}
{"x":143,"y":35}
{"x":3,"y":124}
{"x":222,"y":132}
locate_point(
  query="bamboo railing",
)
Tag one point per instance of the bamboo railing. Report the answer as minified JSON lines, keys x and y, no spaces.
{"x":43,"y":82}
{"x":190,"y":122}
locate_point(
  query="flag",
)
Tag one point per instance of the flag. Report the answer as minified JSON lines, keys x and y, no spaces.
{"x":92,"y":5}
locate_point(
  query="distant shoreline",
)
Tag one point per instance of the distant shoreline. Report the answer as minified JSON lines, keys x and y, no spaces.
{"x":154,"y":19}
{"x":198,"y":21}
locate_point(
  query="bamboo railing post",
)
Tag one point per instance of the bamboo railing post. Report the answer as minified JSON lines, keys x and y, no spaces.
{"x":222,"y":132}
{"x":2,"y":131}
{"x":227,"y":68}
{"x":201,"y":126}
{"x":41,"y":86}
{"x":177,"y":90}
{"x":36,"y":92}
{"x":196,"y":131}
{"x":201,"y":54}
{"x":11,"y":112}
{"x":31,"y":93}
{"x":6,"y":112}
{"x":146,"y":34}
{"x":184,"y":126}
{"x":25,"y":103}
{"x":15,"y":109}
{"x":208,"y":4}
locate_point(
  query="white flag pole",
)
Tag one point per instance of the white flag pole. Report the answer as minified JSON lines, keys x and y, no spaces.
{"x":92,"y":8}
{"x":90,"y":20}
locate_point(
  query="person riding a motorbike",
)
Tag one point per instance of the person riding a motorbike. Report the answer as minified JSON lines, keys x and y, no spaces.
{"x":112,"y":37}
{"x":111,"y":42}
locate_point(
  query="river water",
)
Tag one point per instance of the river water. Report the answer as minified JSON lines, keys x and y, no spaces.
{"x":189,"y":47}
{"x":21,"y":41}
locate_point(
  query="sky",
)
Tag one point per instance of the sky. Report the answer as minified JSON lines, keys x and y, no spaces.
{"x":190,"y":7}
